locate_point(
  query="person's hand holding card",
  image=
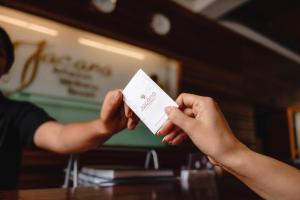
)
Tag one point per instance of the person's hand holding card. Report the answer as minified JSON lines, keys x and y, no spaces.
{"x":147,"y":100}
{"x":115,"y":115}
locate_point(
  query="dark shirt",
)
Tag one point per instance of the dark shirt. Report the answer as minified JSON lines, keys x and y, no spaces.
{"x":18,"y":124}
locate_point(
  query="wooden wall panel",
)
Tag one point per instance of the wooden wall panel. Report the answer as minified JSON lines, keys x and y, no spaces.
{"x":41,"y":169}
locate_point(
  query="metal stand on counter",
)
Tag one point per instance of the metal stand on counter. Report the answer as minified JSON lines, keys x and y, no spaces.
{"x":198,"y":178}
{"x":108,"y":177}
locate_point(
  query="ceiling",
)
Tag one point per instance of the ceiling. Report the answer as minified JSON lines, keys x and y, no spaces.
{"x":211,"y":8}
{"x":276,"y":21}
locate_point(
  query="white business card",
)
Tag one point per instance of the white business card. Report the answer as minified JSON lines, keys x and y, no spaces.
{"x":147,"y":100}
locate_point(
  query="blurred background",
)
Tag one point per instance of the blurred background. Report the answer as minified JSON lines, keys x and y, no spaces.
{"x":243,"y":53}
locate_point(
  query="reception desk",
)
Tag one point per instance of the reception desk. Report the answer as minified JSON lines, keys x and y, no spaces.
{"x":164,"y":191}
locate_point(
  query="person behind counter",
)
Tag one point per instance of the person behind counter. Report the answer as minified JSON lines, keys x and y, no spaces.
{"x":24,"y":124}
{"x":200,"y":119}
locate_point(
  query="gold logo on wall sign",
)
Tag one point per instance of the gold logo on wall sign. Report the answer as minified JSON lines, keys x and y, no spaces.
{"x":75,"y":73}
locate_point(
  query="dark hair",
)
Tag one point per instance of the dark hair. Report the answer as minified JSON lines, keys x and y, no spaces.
{"x":8,"y":47}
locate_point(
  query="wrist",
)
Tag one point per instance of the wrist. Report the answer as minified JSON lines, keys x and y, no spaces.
{"x":235,"y":158}
{"x":100,"y":129}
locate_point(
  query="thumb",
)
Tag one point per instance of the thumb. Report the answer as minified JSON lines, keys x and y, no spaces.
{"x":112,"y":103}
{"x":180,"y":119}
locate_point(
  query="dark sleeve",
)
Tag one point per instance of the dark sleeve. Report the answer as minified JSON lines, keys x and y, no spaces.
{"x":29,"y":119}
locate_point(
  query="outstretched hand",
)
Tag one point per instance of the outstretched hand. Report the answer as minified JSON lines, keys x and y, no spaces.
{"x":115,"y":114}
{"x":200,"y":119}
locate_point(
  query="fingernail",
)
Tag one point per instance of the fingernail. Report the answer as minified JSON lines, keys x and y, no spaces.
{"x":164,"y":141}
{"x":168,"y":109}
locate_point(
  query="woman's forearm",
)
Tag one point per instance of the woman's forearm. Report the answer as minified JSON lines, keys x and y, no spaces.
{"x":268,"y":177}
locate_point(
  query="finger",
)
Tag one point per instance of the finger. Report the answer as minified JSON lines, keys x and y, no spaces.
{"x":135,"y":119}
{"x":166,"y":129}
{"x":190,"y":100}
{"x":111,"y":105}
{"x":179,"y":138}
{"x":169,"y":126}
{"x":128,"y":111}
{"x":130,"y":124}
{"x":188,"y":112}
{"x":180,"y":119}
{"x":168,"y":138}
{"x":186,"y":100}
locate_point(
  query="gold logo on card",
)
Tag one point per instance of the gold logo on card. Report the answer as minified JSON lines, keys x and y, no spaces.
{"x":143,"y":96}
{"x":148,"y":101}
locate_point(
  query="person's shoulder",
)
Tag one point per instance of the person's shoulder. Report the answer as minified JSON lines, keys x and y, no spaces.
{"x":16,"y":105}
{"x":12,"y":102}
